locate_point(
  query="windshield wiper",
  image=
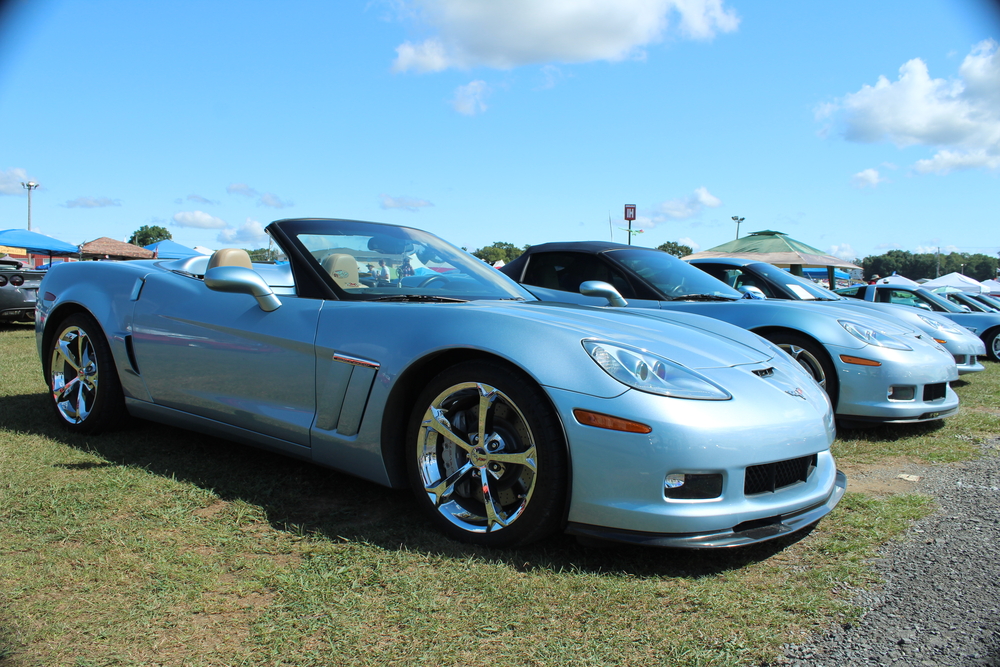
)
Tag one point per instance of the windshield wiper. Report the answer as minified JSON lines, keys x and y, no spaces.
{"x":701,"y":297}
{"x":427,"y":298}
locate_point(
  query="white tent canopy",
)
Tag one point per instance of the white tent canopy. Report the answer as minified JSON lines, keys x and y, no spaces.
{"x":992,"y":285}
{"x":964,"y":283}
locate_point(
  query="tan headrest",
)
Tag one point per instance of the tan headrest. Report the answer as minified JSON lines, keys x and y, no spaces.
{"x":343,"y":269}
{"x":230,"y":257}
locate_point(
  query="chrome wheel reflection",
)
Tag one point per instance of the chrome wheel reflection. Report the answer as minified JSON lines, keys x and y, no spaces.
{"x":73,"y":375}
{"x":476,"y":457}
{"x":807,"y":360}
{"x":995,"y":347}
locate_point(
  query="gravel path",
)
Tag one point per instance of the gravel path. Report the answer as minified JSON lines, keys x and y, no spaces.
{"x":940,"y":604}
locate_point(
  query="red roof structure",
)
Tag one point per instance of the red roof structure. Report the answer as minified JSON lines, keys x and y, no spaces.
{"x":106,"y":248}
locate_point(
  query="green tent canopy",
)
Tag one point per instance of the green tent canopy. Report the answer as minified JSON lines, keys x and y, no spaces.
{"x":775,"y":248}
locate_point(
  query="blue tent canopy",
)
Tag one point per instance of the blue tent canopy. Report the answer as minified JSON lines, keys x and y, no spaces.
{"x":171,"y":250}
{"x":36,"y":243}
{"x":819,"y":273}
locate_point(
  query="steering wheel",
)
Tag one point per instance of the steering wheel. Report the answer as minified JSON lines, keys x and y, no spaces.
{"x":429,"y":279}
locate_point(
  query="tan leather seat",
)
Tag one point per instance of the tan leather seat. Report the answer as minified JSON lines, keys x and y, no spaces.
{"x":344,"y":270}
{"x":230,"y":257}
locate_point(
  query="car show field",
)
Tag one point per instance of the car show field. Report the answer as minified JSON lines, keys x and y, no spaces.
{"x":155,"y":545}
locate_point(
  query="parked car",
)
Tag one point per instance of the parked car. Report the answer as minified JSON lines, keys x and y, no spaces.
{"x":775,"y":283}
{"x":969,"y":301}
{"x":874,"y":371}
{"x":511,"y":419}
{"x":889,"y":290}
{"x":18,"y":290}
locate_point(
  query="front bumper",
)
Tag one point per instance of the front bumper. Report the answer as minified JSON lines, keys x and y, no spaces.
{"x":743,"y":534}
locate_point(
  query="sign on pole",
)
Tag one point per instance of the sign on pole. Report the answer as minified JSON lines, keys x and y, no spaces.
{"x":630,"y":212}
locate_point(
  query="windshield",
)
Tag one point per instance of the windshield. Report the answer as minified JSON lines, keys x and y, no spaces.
{"x":942,"y":303}
{"x":370,"y":261}
{"x":670,"y":276}
{"x":802,"y":288}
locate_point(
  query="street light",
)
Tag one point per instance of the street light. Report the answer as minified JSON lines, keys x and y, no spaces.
{"x":737,"y":220}
{"x":30,"y":185}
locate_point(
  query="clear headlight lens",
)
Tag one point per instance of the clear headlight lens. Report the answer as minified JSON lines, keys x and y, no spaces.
{"x":941,"y":326}
{"x":653,"y":374}
{"x":873,"y":336}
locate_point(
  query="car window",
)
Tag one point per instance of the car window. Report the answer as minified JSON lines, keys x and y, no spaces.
{"x":671,"y":277}
{"x":853,"y":292}
{"x":566,"y":271}
{"x":904,"y":298}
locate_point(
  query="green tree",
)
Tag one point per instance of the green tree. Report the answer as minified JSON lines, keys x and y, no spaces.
{"x":499,"y":251}
{"x":675,"y":249}
{"x":146,"y":235}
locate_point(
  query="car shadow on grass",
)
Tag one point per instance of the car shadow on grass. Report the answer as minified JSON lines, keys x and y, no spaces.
{"x":304,"y":498}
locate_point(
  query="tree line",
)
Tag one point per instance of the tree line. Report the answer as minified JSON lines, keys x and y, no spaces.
{"x":929,"y":264}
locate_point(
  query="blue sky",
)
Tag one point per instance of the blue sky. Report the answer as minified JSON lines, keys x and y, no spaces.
{"x":856,"y":127}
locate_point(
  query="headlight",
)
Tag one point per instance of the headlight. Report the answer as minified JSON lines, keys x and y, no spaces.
{"x":940,"y":326}
{"x":653,"y":374}
{"x":873,"y":336}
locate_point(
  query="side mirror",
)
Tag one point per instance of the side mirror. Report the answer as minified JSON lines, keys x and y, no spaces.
{"x":239,"y":280}
{"x":751,"y":292}
{"x":603,"y":289}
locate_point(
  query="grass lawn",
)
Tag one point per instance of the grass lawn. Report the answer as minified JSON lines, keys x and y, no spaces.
{"x":156,"y":546}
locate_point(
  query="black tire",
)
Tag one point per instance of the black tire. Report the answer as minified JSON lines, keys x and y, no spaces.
{"x":992,"y":340}
{"x":83,"y":381}
{"x":522,"y":465}
{"x":811,"y":356}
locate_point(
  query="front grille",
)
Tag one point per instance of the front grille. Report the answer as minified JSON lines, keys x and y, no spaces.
{"x":960,"y":359}
{"x":770,"y":477}
{"x":933,"y":392}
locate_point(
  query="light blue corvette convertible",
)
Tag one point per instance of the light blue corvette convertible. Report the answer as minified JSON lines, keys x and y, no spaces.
{"x":874,"y":370}
{"x":386,"y":353}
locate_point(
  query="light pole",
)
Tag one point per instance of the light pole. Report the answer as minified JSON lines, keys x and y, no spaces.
{"x":738,"y":220}
{"x":30,"y":185}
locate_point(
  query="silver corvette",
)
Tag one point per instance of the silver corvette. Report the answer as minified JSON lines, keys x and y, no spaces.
{"x":386,"y":353}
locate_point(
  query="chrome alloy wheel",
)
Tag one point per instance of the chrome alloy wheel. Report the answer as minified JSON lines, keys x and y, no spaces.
{"x":476,"y":457}
{"x":73,"y":375}
{"x":807,"y":360}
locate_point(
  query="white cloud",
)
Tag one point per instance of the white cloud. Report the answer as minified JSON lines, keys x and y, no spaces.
{"x":407,"y":203}
{"x":11,"y":179}
{"x":241,"y":189}
{"x":273,"y":200}
{"x":470,"y":99}
{"x":197,"y":199}
{"x":92,"y":202}
{"x":844,"y":251}
{"x":198,"y":219}
{"x":509,"y":34}
{"x":959,"y":117}
{"x":869,"y":178}
{"x":689,"y":242}
{"x":250,"y":234}
{"x":688,"y":207}
{"x":931,"y":249}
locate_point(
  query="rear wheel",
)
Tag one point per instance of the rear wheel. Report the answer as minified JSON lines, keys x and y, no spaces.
{"x":812,"y":357}
{"x":83,"y":381}
{"x":486,"y":456}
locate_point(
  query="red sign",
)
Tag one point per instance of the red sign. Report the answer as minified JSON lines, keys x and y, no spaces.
{"x":630,"y":211}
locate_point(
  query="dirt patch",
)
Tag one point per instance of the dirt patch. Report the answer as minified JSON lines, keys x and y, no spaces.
{"x":885,"y":478}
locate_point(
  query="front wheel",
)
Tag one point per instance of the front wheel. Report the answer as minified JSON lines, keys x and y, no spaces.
{"x":992,"y":340}
{"x":83,"y":381}
{"x":486,"y":456}
{"x":812,"y":357}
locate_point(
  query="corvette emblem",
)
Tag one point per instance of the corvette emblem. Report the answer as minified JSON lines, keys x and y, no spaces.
{"x":796,"y":392}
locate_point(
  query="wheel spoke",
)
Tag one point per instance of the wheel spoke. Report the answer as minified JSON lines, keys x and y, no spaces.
{"x":66,"y":355}
{"x":62,"y":392}
{"x":440,"y":423}
{"x":493,"y":512}
{"x":525,"y":458}
{"x":443,"y":489}
{"x":487,"y":396}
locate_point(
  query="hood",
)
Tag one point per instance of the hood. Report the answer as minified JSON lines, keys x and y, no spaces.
{"x":693,"y":341}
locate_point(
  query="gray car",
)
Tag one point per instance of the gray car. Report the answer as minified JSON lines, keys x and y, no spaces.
{"x":774,"y":283}
{"x":510,"y":419}
{"x":892,"y":290}
{"x":18,"y":291}
{"x":873,"y":370}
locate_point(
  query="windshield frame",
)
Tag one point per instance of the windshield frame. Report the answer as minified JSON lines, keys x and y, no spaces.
{"x":470,"y":278}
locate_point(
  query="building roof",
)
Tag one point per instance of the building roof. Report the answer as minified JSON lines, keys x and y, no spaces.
{"x":774,"y":248}
{"x":106,"y":248}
